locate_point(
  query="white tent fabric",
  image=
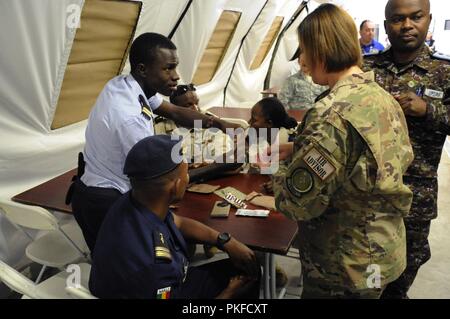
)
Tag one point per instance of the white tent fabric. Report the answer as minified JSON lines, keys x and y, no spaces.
{"x":35,"y":48}
{"x":158,"y":16}
{"x":194,"y":33}
{"x":245,"y":85}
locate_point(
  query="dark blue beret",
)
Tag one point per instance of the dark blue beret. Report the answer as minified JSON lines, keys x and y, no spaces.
{"x":152,"y":157}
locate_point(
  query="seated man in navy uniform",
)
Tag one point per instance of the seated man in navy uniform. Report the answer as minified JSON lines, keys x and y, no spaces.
{"x":141,"y":250}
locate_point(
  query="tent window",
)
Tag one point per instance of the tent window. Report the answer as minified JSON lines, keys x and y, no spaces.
{"x":98,"y":54}
{"x":217,"y":47}
{"x":267,"y":43}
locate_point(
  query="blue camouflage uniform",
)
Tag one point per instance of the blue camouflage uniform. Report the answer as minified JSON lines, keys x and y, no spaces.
{"x":428,"y":76}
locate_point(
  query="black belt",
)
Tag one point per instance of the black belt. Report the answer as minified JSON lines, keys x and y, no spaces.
{"x":75,"y":178}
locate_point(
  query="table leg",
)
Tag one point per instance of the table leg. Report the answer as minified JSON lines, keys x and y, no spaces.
{"x":273,"y":289}
{"x":266,"y":273}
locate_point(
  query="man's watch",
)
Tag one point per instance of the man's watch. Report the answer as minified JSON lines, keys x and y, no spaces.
{"x":222,"y":239}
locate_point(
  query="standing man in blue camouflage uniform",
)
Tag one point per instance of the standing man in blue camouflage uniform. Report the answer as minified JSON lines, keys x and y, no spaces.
{"x":421,"y":84}
{"x":343,"y":179}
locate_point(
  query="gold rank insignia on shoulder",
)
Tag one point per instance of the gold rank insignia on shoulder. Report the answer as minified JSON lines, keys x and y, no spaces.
{"x":162,"y":251}
{"x":145,"y":109}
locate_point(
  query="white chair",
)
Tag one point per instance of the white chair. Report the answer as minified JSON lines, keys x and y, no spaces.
{"x":79,"y":292}
{"x":51,"y":288}
{"x":60,"y":246}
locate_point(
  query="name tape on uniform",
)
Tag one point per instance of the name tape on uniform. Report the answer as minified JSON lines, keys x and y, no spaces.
{"x":319,"y":164}
{"x":434,"y":94}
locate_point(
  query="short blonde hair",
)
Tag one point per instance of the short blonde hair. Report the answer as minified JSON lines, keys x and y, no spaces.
{"x":330,"y":35}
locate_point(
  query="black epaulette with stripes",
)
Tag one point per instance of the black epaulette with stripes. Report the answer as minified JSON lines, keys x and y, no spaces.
{"x":145,"y":109}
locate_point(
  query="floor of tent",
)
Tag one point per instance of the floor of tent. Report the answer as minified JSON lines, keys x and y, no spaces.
{"x":433,"y":278}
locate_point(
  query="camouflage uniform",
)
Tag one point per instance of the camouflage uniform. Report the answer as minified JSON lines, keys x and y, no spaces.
{"x":344,"y":187}
{"x":164,"y":125}
{"x":299,"y":92}
{"x":427,"y":136}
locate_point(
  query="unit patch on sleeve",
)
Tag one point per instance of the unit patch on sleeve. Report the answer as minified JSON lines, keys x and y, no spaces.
{"x":300,"y":181}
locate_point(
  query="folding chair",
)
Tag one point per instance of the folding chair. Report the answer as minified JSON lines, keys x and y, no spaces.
{"x":60,"y":246}
{"x":79,"y":293}
{"x":51,"y":288}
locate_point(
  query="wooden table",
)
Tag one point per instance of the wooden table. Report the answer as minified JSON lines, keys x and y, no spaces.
{"x":271,"y":235}
{"x":245,"y":113}
{"x":50,"y":195}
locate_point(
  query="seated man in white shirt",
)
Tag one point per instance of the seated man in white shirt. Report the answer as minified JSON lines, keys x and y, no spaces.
{"x":122,"y":116}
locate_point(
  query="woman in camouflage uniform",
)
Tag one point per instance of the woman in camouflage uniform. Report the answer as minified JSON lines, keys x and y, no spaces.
{"x":342,"y":176}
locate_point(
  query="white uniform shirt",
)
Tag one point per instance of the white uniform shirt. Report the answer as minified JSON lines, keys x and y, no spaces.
{"x":115,"y":124}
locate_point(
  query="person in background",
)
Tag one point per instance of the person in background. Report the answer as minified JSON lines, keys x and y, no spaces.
{"x":299,"y":91}
{"x":430,"y":41}
{"x":368,"y":44}
{"x":420,"y":81}
{"x":267,"y":114}
{"x":184,"y":96}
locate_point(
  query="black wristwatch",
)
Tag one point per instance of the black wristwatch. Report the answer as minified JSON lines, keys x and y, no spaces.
{"x":222,"y":239}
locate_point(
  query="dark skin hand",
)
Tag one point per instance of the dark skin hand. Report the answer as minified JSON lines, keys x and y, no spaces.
{"x":268,"y":188}
{"x":240,"y":255}
{"x":237,"y":287}
{"x":412,"y":104}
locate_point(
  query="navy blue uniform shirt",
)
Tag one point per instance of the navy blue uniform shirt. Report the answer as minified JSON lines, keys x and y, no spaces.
{"x":137,"y":255}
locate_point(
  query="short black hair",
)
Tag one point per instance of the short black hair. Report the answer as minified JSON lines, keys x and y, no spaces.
{"x":157,"y":184}
{"x":273,"y":110}
{"x":144,"y":47}
{"x":361,"y":26}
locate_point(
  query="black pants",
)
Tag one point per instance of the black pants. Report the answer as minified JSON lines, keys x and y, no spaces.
{"x":209,"y":280}
{"x":89,"y":206}
{"x":417,"y":253}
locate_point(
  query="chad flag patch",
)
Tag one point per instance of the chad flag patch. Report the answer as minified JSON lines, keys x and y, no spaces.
{"x":163,"y":293}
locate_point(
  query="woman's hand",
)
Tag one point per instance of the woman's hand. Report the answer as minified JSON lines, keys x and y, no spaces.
{"x":237,"y":287}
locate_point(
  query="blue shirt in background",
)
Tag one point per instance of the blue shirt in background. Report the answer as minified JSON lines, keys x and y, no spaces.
{"x":372,"y":48}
